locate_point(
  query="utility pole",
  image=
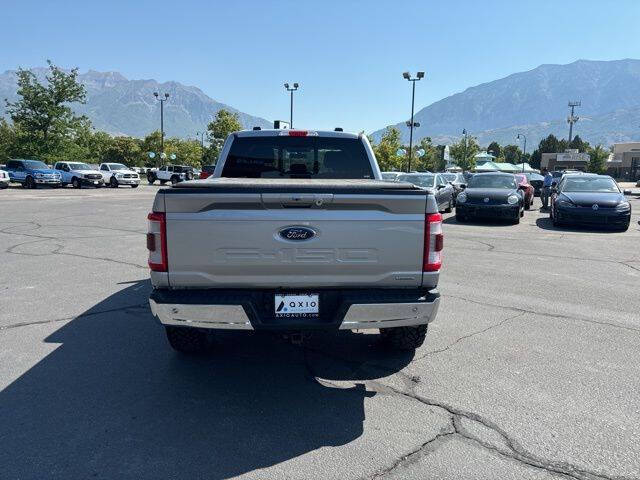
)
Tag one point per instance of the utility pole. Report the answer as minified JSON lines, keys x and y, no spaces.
{"x":161,"y":100}
{"x":524,"y":148}
{"x":407,"y":76}
{"x":291,"y":89}
{"x":464,"y":132}
{"x":572,"y":118}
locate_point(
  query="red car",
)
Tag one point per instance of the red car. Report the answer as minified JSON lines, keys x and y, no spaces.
{"x":206,"y":172}
{"x":527,"y":188}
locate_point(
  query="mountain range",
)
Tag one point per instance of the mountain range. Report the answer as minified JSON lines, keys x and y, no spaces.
{"x":535,"y":103}
{"x":127,"y":107}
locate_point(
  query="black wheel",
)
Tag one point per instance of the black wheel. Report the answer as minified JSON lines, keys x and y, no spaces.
{"x":404,"y":338}
{"x":186,"y":340}
{"x":113,"y":183}
{"x":135,"y":185}
{"x":30,"y":183}
{"x":460,"y":218}
{"x":516,"y":220}
{"x":527,"y":204}
{"x":75,"y":182}
{"x":174,"y":180}
{"x":151,"y":179}
{"x":449,"y":206}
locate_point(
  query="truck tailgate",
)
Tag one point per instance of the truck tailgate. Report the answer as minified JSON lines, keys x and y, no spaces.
{"x":250,"y":234}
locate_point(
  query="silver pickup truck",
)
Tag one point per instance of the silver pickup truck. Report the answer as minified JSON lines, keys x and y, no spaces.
{"x":295,"y":230}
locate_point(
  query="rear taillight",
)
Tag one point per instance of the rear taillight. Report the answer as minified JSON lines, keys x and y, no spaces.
{"x":157,"y":242}
{"x":433,"y":242}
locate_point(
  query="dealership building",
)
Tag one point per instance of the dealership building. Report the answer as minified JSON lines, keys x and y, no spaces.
{"x":570,"y":159}
{"x":624,"y":162}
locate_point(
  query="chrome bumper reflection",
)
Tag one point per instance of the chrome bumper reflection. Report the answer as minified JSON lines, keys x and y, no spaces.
{"x":359,"y":316}
{"x":386,"y":315}
{"x":202,"y":316}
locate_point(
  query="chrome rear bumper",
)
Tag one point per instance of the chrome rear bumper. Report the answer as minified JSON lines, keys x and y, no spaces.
{"x":234,"y":317}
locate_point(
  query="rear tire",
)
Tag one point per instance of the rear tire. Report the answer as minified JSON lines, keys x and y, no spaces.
{"x":449,"y":208}
{"x":151,"y":179}
{"x":404,"y":338}
{"x":174,"y":180}
{"x":186,"y":340}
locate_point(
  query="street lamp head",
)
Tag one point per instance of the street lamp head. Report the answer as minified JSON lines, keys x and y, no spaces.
{"x":295,"y":85}
{"x":420,"y":75}
{"x":286,"y":85}
{"x":166,"y":95}
{"x":155,"y":94}
{"x":406,"y":75}
{"x":464,"y":131}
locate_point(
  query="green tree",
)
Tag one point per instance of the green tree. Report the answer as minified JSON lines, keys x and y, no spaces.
{"x":579,"y":144}
{"x":43,"y":112}
{"x":494,"y":149}
{"x":550,"y":144}
{"x":598,"y":159}
{"x":124,"y":150}
{"x":386,"y":150}
{"x":187,"y":152}
{"x":512,"y":153}
{"x":224,"y":124}
{"x":464,"y":152}
{"x":430,"y":161}
{"x":8,"y":140}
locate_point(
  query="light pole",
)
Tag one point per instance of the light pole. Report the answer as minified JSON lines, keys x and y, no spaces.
{"x":524,"y":148}
{"x":291,"y":89}
{"x":419,"y":76}
{"x":464,"y":133}
{"x":572,"y":119}
{"x":161,"y":100}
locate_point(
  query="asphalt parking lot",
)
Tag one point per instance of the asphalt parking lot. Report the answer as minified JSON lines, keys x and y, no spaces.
{"x":530,"y":370}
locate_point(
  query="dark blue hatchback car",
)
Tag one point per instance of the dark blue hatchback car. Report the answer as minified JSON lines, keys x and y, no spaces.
{"x":589,"y":199}
{"x":32,"y":173}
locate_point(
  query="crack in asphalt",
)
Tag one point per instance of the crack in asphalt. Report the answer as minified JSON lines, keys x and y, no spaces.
{"x":544,"y":314}
{"x":144,"y":306}
{"x":513,"y":451}
{"x":58,"y":251}
{"x":547,"y":255}
{"x":473,"y":334}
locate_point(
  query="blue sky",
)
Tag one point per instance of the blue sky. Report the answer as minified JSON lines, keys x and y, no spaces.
{"x":348,"y":56}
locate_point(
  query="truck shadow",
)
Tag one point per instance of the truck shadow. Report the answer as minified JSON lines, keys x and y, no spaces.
{"x":114,"y":401}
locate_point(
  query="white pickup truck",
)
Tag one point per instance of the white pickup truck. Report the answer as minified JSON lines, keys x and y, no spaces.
{"x":295,"y":230}
{"x":170,"y":173}
{"x":116,"y":174}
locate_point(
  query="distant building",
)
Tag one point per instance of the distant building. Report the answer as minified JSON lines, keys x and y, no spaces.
{"x":570,"y":159}
{"x":624,"y":162}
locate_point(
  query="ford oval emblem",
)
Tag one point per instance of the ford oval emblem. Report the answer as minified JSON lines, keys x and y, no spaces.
{"x":486,"y":200}
{"x":595,"y":206}
{"x":297,"y":234}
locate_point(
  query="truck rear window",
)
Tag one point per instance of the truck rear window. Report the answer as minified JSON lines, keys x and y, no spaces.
{"x":297,"y":157}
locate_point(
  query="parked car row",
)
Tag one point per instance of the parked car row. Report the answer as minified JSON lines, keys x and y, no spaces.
{"x":577,"y":197}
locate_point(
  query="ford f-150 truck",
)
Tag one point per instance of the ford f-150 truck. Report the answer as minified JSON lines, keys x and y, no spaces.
{"x":295,"y":230}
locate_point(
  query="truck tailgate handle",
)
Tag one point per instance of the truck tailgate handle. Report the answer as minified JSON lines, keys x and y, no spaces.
{"x":296,"y":200}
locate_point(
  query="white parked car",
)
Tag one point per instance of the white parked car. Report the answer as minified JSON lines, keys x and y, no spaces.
{"x":4,"y":179}
{"x":171,"y":173}
{"x":116,"y":174}
{"x":79,"y":174}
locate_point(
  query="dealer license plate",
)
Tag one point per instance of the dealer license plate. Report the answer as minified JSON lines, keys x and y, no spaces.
{"x":300,"y":305}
